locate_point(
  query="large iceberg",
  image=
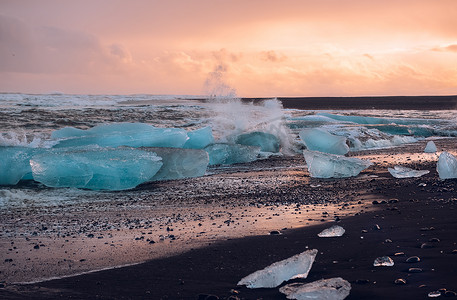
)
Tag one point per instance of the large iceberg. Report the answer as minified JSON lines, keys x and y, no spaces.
{"x":317,"y":139}
{"x":226,"y":154}
{"x":324,"y":165}
{"x":180,"y":163}
{"x":266,"y":141}
{"x":297,"y":266}
{"x":122,"y":134}
{"x":404,"y":172}
{"x":95,"y":168}
{"x":324,"y":289}
{"x":447,"y":166}
{"x":199,"y":138}
{"x":14,"y":164}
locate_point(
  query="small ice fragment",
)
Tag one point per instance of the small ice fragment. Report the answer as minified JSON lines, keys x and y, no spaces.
{"x":430,"y":148}
{"x":383,"y":261}
{"x":297,"y":266}
{"x":323,"y":165}
{"x":404,"y":172}
{"x":317,"y":139}
{"x":199,"y":138}
{"x":447,"y":166}
{"x":333,"y":231}
{"x":324,"y":289}
{"x":266,"y":141}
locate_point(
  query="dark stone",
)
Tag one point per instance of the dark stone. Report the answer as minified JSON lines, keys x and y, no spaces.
{"x":414,"y":270}
{"x":90,"y":235}
{"x":36,"y":247}
{"x":450,"y":294}
{"x":376,"y":227}
{"x":274,"y":232}
{"x":413,"y":259}
{"x":8,"y":260}
{"x":434,"y":240}
{"x":426,"y":246}
{"x":362,"y":281}
{"x":400,"y":281}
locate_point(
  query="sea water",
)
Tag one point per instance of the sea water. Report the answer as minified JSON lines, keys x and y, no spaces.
{"x":29,"y":120}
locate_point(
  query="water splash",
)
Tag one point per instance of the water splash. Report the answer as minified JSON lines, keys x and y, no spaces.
{"x":233,"y":117}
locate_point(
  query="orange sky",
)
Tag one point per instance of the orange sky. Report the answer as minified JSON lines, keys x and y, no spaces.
{"x":267,"y":48}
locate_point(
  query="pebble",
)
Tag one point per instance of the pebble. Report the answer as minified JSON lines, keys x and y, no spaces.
{"x":450,"y":294}
{"x":399,"y":254}
{"x":362,"y":281}
{"x":376,"y":227}
{"x":426,"y":246}
{"x":413,"y":259}
{"x":400,"y":281}
{"x":414,"y":270}
{"x":275,"y":232}
{"x":434,"y":240}
{"x":434,"y":294}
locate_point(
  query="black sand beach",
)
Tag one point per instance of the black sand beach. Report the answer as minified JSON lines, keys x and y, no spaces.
{"x":415,"y":217}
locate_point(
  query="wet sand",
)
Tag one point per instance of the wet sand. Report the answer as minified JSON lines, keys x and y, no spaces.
{"x":207,"y":233}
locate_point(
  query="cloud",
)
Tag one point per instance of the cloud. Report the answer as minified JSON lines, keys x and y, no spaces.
{"x":272,"y":56}
{"x":450,"y":48}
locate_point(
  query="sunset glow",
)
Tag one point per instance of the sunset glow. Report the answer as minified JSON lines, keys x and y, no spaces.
{"x":268,"y":48}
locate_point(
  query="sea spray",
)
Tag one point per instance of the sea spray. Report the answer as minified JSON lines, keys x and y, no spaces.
{"x":233,"y":117}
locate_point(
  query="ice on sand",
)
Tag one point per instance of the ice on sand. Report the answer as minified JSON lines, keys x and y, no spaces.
{"x":333,"y":231}
{"x":297,"y":266}
{"x":317,"y":139}
{"x":180,"y":163}
{"x":266,"y":141}
{"x":383,"y":261}
{"x":14,"y":164}
{"x":430,"y":148}
{"x":95,"y":168}
{"x":447,"y":166}
{"x":323,"y":165}
{"x":122,"y":134}
{"x":199,"y":138}
{"x":324,"y":289}
{"x":227,"y":154}
{"x":404,"y":172}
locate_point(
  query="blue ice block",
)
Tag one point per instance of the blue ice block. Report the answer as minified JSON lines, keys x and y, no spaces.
{"x":199,"y":138}
{"x":227,"y":154}
{"x":266,"y":141}
{"x":14,"y":164}
{"x":318,"y":139}
{"x":95,"y":168}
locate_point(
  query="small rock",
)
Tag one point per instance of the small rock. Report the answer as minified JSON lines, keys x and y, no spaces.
{"x":399,"y":254}
{"x":388,"y":241}
{"x":36,"y":247}
{"x":454,"y":251}
{"x":426,"y":246}
{"x":376,"y":227}
{"x":450,"y":294}
{"x":362,"y":281}
{"x":413,"y":259}
{"x":275,"y":232}
{"x":400,"y":281}
{"x":414,"y":270}
{"x":434,"y":240}
{"x":90,"y":235}
{"x":434,"y":294}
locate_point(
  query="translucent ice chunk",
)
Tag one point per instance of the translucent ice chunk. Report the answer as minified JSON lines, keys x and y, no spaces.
{"x":404,"y":172}
{"x":266,"y":141}
{"x":447,"y":166}
{"x":383,"y":261}
{"x":68,"y":132}
{"x":317,"y":139}
{"x":123,"y":134}
{"x":95,"y":168}
{"x":297,"y":266}
{"x":180,"y":163}
{"x":199,"y":138}
{"x":323,"y":165}
{"x":14,"y":164}
{"x":333,"y":231}
{"x":430,"y":148}
{"x":226,"y":154}
{"x":324,"y":289}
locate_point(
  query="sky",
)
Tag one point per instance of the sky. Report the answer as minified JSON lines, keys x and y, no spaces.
{"x":259,"y":48}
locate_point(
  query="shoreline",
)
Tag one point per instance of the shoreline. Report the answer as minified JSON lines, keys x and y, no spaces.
{"x":244,"y":249}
